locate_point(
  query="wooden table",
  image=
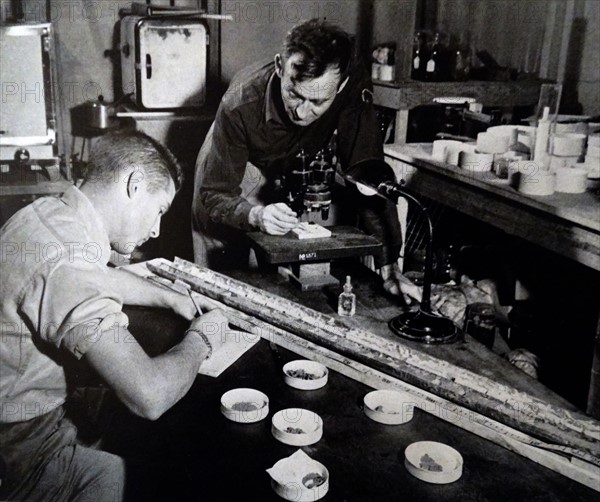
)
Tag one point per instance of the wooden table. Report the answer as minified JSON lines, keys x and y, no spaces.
{"x":568,"y":224}
{"x":404,"y":95}
{"x":194,"y":453}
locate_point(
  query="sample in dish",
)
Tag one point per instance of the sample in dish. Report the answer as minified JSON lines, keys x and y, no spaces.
{"x":389,"y":407}
{"x":297,"y":426}
{"x":299,"y":478}
{"x":244,"y":405}
{"x":305,"y":375}
{"x":433,"y":462}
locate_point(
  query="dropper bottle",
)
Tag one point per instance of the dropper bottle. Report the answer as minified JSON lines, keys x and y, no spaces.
{"x":347,"y":300}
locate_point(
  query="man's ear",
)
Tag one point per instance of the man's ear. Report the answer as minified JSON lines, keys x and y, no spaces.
{"x":342,"y":85}
{"x":134,"y":182}
{"x":278,"y":65}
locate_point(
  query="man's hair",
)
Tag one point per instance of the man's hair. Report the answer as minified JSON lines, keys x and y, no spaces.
{"x":322,"y":46}
{"x":115,"y":152}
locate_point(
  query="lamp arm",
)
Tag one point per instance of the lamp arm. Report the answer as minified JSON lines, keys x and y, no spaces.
{"x":389,"y":188}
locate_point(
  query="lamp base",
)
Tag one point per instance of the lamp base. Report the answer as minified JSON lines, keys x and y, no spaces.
{"x":425,"y":327}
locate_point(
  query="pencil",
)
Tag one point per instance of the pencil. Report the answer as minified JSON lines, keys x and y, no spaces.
{"x":195,"y":302}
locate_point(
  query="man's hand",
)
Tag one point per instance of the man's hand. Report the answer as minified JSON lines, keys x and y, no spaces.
{"x":395,"y":283}
{"x":183,"y":305}
{"x":214,"y":325}
{"x":274,"y":219}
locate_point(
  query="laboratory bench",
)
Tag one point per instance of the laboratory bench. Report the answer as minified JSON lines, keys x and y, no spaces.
{"x":194,"y":453}
{"x":554,"y":240}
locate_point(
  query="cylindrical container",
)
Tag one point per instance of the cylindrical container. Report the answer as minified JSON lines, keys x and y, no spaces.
{"x":476,"y":162}
{"x":386,"y":72}
{"x":562,"y":162}
{"x":493,"y":143}
{"x":571,"y":180}
{"x":511,"y":131}
{"x":592,"y":166}
{"x":440,"y":149}
{"x":528,"y":178}
{"x":480,"y":323}
{"x":571,"y":127}
{"x":99,"y":115}
{"x":453,"y":150}
{"x":593,"y":151}
{"x":594,"y":140}
{"x":567,"y":145}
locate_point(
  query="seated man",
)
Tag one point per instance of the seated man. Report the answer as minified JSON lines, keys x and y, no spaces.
{"x":311,"y":97}
{"x":60,"y":301}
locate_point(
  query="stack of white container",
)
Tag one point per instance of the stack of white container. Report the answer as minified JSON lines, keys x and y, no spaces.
{"x":561,"y":157}
{"x":591,"y":162}
{"x":494,"y":150}
{"x":576,"y":167}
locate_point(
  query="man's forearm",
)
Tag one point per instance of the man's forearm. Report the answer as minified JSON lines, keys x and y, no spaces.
{"x":227,"y":209}
{"x":147,"y":386}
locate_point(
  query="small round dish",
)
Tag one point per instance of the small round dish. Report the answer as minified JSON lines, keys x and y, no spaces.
{"x":299,"y":478}
{"x":433,"y":462}
{"x":244,"y":405}
{"x":297,"y":427}
{"x":389,"y":407}
{"x":305,"y":375}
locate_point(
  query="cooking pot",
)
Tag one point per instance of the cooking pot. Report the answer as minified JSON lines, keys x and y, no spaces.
{"x":99,"y":114}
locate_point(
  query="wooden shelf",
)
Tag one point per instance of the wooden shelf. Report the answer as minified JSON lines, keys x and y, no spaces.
{"x":402,"y":96}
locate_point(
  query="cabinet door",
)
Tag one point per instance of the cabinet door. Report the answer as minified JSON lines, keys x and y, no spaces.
{"x":26,"y":92}
{"x":173,"y":64}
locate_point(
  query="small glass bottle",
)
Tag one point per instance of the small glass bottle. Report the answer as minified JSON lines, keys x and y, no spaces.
{"x":347,"y":300}
{"x":434,"y":70}
{"x":419,"y":56}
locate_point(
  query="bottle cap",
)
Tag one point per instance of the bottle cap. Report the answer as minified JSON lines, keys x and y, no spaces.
{"x":348,"y":285}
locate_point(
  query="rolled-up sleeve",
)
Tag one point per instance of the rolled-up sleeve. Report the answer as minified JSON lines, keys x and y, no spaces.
{"x":71,"y":306}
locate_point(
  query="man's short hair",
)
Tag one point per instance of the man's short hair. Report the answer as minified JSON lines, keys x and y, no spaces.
{"x":322,"y":46}
{"x":116,"y":152}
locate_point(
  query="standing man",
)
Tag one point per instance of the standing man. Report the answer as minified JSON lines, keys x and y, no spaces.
{"x":271,"y":112}
{"x":59,"y":301}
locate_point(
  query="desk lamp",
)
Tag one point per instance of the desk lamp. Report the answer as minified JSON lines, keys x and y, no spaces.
{"x":375,"y":177}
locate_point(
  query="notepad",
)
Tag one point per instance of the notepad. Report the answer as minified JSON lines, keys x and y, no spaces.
{"x":237,"y":344}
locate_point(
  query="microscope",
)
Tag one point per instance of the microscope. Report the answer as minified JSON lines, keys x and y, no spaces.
{"x":304,"y":258}
{"x":307,"y":186}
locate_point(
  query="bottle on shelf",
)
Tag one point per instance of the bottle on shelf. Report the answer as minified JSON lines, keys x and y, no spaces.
{"x":347,"y":300}
{"x":434,"y":69}
{"x":419,"y":56}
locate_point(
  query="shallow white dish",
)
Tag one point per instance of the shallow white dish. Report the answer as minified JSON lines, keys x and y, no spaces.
{"x":433,"y":462}
{"x":389,"y":407}
{"x":297,"y":427}
{"x":299,"y":478}
{"x":305,"y":375}
{"x":244,"y":405}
